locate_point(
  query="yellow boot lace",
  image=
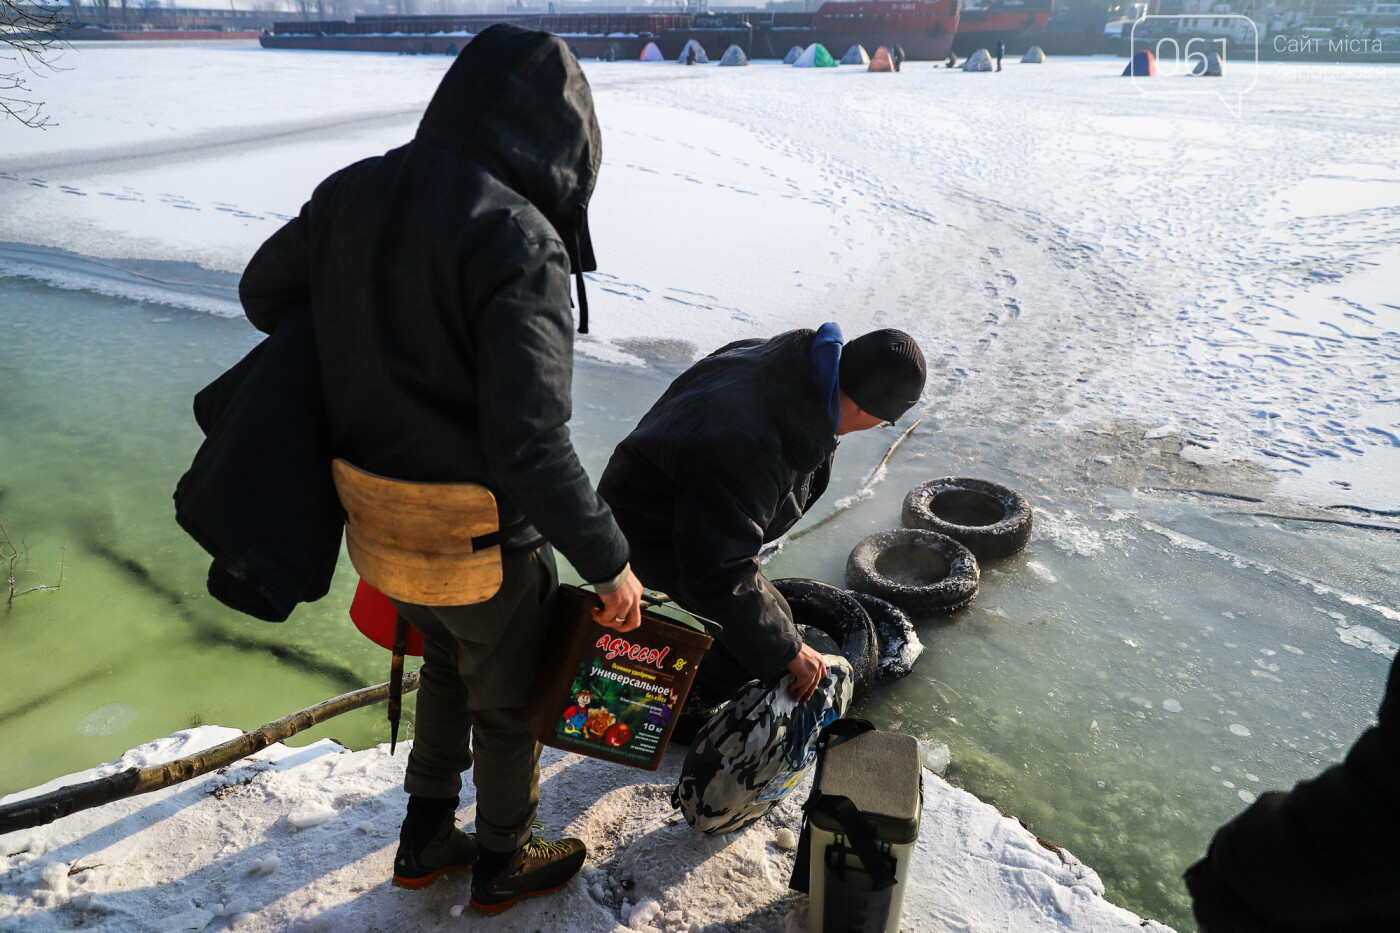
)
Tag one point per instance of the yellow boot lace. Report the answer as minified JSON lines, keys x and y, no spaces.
{"x":539,"y":847}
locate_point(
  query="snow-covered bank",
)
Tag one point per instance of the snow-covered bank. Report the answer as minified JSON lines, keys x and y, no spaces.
{"x":304,"y":839}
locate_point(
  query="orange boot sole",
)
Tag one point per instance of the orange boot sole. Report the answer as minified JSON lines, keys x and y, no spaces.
{"x":418,"y":884}
{"x":493,"y":909}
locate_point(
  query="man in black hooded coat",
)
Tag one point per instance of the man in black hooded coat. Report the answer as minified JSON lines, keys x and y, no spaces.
{"x":438,"y":281}
{"x":728,"y":459}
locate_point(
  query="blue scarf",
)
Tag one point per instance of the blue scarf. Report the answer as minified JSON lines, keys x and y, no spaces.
{"x":826,"y":369}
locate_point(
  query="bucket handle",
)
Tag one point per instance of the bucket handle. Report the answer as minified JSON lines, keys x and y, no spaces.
{"x":661,"y":599}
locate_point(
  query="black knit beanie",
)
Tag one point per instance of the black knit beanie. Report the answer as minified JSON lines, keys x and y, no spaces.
{"x":883,"y":372}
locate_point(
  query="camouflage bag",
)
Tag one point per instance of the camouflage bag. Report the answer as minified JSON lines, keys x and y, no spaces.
{"x":756,"y":748}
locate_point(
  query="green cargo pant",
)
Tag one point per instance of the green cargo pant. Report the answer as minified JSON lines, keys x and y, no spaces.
{"x":478,"y":667}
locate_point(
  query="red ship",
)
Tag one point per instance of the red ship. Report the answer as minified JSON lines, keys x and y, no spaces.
{"x":924,"y":29}
{"x":1075,"y":28}
{"x":1020,"y":24}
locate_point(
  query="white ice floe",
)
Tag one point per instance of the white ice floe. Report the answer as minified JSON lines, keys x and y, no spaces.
{"x":189,"y":858}
{"x":1361,"y":636}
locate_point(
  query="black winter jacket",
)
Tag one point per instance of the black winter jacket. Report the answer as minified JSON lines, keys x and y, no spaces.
{"x":259,"y":496}
{"x":1322,"y":858}
{"x":438,"y":279}
{"x":727,"y":459}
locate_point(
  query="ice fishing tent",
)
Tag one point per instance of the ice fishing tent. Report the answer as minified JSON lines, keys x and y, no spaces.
{"x":700,"y":57}
{"x":1143,"y":65}
{"x":652,"y":54}
{"x":734,"y":56}
{"x":1035,"y":55}
{"x":856,"y":55}
{"x":1211,"y":66}
{"x":980,"y":60}
{"x":881,"y":61}
{"x":793,"y":55}
{"x":816,"y":56}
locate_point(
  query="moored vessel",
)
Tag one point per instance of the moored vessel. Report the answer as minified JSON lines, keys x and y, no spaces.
{"x":924,"y":29}
{"x":1017,"y":23}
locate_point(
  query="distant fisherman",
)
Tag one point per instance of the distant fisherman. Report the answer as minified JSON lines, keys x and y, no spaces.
{"x":438,"y":281}
{"x":728,"y":459}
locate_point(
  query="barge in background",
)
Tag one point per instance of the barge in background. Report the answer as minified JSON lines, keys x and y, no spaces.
{"x":924,"y":29}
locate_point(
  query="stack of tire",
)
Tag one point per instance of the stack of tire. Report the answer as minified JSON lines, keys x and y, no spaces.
{"x":930,"y":566}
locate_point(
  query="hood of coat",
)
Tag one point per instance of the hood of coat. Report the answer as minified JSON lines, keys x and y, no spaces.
{"x":516,"y":103}
{"x":796,"y":407}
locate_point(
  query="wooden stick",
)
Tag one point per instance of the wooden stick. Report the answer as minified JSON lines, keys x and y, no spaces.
{"x":38,"y":811}
{"x":870,"y":479}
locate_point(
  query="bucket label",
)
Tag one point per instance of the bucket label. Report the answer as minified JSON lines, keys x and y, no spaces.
{"x":622,"y":698}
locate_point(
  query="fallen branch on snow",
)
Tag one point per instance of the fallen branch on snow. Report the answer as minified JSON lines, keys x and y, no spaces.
{"x":38,"y":811}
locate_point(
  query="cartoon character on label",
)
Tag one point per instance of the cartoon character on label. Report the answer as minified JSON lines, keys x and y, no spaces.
{"x":576,"y":716}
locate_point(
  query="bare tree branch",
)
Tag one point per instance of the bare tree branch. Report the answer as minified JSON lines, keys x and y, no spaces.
{"x":30,"y":41}
{"x":13,"y":558}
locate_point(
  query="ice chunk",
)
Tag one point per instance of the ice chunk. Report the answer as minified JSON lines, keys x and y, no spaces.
{"x":456,"y":910}
{"x":1247,"y":797}
{"x":934,"y":755}
{"x":785,"y":839}
{"x":309,"y":814}
{"x":266,"y":865}
{"x":1360,"y":636}
{"x":107,"y":719}
{"x":55,"y":877}
{"x":1171,"y":706}
{"x":643,"y":914}
{"x":1239,"y":730}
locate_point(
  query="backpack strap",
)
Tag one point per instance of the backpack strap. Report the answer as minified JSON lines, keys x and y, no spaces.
{"x":861,"y":837}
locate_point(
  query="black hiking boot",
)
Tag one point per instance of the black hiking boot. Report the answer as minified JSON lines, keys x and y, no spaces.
{"x":502,"y":879}
{"x":430,"y":844}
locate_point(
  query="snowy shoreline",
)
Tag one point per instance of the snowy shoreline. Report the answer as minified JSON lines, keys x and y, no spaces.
{"x":303,"y":838}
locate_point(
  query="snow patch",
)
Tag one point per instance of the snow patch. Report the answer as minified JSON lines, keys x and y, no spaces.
{"x":310,"y":814}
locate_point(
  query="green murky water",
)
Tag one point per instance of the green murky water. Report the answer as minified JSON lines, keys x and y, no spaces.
{"x":1125,"y":685}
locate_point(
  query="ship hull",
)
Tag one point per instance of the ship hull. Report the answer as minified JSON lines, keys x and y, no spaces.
{"x":87,"y":34}
{"x":586,"y":46}
{"x":1071,"y":43}
{"x":1019,"y":31}
{"x":924,"y":30}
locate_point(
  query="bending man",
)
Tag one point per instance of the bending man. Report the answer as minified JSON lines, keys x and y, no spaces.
{"x":728,"y":459}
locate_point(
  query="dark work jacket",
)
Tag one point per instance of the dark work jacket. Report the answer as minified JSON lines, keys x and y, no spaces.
{"x":259,"y":496}
{"x":1322,"y":858}
{"x":438,"y":279}
{"x":727,"y":459}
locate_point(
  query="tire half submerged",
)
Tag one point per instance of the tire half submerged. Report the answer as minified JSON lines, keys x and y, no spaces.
{"x":919,"y":571}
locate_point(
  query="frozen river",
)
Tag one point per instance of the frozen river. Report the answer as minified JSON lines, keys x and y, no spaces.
{"x":1169,"y":326}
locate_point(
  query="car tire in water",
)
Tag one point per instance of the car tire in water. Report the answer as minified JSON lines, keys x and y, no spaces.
{"x":921,"y":572}
{"x":836,"y":612}
{"x":899,"y":643}
{"x":988,"y":518}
